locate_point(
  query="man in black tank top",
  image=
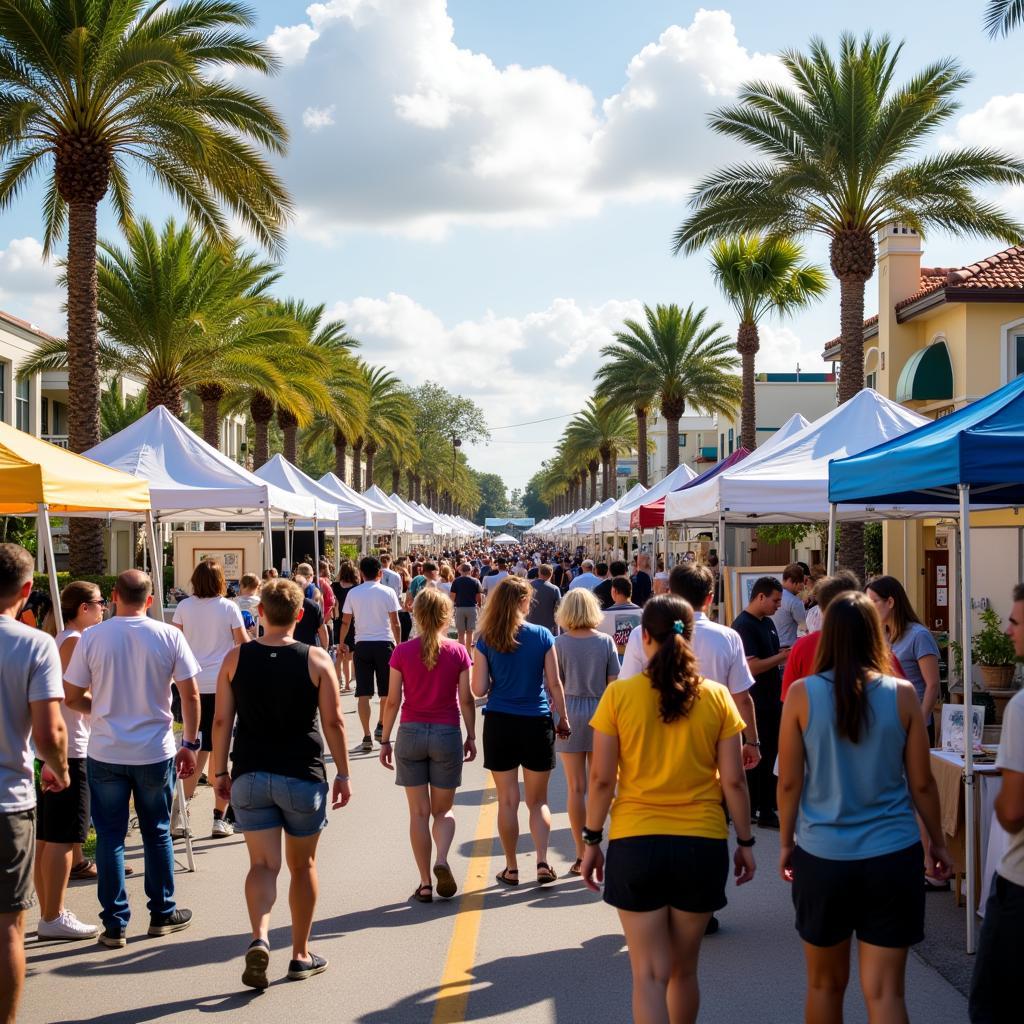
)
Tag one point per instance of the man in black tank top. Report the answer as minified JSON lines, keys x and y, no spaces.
{"x":283,"y":693}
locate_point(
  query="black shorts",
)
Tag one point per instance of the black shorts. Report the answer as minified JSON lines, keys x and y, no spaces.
{"x":206,"y":708}
{"x":64,"y":817}
{"x":881,"y":899}
{"x":17,"y":849}
{"x":688,"y":873}
{"x":372,"y":661}
{"x":514,"y":740}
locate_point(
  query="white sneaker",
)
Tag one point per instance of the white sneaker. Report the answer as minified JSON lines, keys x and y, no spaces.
{"x":66,"y":926}
{"x":179,"y":820}
{"x":221,"y":829}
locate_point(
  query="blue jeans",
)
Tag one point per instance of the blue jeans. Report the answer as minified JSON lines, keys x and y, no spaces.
{"x":152,"y":788}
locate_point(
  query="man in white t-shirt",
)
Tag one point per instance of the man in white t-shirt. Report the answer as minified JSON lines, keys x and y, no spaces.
{"x":375,"y":609}
{"x":490,"y":582}
{"x":30,"y":696}
{"x":389,"y":577}
{"x":121,"y":675}
{"x":587,"y":577}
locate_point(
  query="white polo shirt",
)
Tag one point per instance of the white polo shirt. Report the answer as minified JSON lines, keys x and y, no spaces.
{"x":370,"y":605}
{"x":391,"y":579}
{"x":719,"y":651}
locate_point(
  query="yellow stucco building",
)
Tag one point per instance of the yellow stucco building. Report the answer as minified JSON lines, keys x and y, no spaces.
{"x":943,"y":337}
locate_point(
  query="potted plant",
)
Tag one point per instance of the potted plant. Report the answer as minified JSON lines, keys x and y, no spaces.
{"x":993,"y":652}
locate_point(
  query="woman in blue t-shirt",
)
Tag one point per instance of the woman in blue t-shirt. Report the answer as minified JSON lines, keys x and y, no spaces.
{"x":515,"y":667}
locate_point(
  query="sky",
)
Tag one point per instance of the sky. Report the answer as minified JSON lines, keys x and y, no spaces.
{"x":486,"y":189}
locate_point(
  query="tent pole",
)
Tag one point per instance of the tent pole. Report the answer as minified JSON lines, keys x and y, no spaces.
{"x":906,"y":560}
{"x":723,"y":575}
{"x":316,"y":545}
{"x":46,"y":546}
{"x":362,"y":553}
{"x":337,"y":549}
{"x":832,"y":516}
{"x":157,"y":575}
{"x":965,"y":611}
{"x":268,"y":539}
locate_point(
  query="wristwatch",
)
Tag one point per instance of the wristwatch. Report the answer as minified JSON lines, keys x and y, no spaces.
{"x":194,"y":745}
{"x":751,"y":743}
{"x":746,"y":842}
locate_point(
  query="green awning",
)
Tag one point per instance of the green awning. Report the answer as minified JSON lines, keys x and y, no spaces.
{"x":927,"y":375}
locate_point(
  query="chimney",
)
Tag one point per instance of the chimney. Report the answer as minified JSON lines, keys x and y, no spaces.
{"x":899,"y":265}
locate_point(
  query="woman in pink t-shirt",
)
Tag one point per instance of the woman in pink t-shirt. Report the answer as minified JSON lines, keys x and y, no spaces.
{"x":431,"y":672}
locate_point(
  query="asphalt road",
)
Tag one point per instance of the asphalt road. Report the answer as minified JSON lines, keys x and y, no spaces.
{"x":528,"y":955}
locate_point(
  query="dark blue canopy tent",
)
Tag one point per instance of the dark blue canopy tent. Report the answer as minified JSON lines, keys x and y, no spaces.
{"x":974,"y":455}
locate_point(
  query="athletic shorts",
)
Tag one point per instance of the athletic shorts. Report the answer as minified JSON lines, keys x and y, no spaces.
{"x":645,"y":873}
{"x":372,"y":661}
{"x":64,"y":817}
{"x":263,"y":800}
{"x":17,"y":848}
{"x":881,"y":899}
{"x":465,"y":619}
{"x":428,"y":754}
{"x":514,"y":740}
{"x":206,"y":709}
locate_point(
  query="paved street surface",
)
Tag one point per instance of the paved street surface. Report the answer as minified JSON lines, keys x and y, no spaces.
{"x":528,"y":956}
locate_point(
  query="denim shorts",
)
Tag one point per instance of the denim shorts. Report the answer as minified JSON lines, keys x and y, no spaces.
{"x":262,"y":800}
{"x":427,"y":753}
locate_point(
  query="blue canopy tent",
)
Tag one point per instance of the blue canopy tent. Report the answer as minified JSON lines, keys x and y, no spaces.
{"x":974,"y":454}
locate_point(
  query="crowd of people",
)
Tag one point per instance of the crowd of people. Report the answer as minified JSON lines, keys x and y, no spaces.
{"x":810,"y":714}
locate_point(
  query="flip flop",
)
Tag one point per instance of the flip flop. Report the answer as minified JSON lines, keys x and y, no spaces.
{"x":446,"y":886}
{"x":504,"y":876}
{"x":85,"y":869}
{"x":423,"y":894}
{"x":577,"y":867}
{"x":545,"y":875}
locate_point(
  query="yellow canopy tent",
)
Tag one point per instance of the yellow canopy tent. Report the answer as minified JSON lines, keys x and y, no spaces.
{"x":39,"y":479}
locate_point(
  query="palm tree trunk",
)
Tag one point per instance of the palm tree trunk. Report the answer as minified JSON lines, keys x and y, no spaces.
{"x":396,"y":480}
{"x":747,"y":343}
{"x":163,"y":392}
{"x":672,"y":440}
{"x":86,"y":535}
{"x":593,"y":466}
{"x":371,"y":451}
{"x":357,"y":465}
{"x":642,"y":472}
{"x":211,"y":395}
{"x":410,"y":485}
{"x":613,"y":471}
{"x":290,"y":432}
{"x":419,"y":489}
{"x":340,"y":447}
{"x":261,"y":410}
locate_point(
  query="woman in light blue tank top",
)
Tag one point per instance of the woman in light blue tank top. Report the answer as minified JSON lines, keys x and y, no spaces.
{"x":853,"y":767}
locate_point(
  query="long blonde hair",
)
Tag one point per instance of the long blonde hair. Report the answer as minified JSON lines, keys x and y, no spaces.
{"x":503,"y":614}
{"x":432,"y":611}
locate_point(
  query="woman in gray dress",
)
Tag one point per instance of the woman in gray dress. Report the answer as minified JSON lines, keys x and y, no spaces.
{"x":587,"y":662}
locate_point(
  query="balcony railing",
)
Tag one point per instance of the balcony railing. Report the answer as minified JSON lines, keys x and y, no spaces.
{"x":60,"y":440}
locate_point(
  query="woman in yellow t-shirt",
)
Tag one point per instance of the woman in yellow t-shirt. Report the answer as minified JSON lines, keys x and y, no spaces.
{"x":672,"y":741}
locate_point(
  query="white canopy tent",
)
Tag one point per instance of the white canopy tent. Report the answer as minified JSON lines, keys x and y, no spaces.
{"x":679,"y":476}
{"x":373,"y":494}
{"x":582,"y":524}
{"x":384,"y":516}
{"x":616,"y":518}
{"x":504,"y":538}
{"x":567,"y":523}
{"x":422,"y":525}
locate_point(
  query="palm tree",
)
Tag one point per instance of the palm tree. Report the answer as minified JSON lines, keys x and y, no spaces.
{"x":688,"y":363}
{"x":88,"y":87}
{"x":605,"y":429}
{"x":390,"y":423}
{"x":616,"y":383}
{"x":759,"y":276}
{"x":838,"y":145}
{"x":1003,"y":16}
{"x":118,"y":411}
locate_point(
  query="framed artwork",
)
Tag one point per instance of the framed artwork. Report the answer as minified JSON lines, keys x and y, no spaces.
{"x":953,"y":726}
{"x":741,"y":582}
{"x":238,"y":551}
{"x":232,"y":559}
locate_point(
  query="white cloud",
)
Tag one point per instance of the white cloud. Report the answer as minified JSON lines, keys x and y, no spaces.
{"x":28,"y":285}
{"x":782,"y":350}
{"x":999,"y":124}
{"x":431,"y":135}
{"x":315,"y":118}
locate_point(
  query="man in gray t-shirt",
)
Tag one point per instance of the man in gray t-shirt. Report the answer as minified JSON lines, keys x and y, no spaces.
{"x":546,"y":598}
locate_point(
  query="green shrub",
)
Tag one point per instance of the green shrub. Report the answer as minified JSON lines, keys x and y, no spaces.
{"x":41,"y":581}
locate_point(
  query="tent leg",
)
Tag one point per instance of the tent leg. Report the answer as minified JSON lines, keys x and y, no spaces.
{"x":268,"y":540}
{"x":316,"y":545}
{"x":906,"y":559}
{"x":363,"y":552}
{"x":157,"y":574}
{"x":46,"y":547}
{"x":337,"y":549}
{"x":723,"y":575}
{"x":969,"y":803}
{"x":831,"y":566}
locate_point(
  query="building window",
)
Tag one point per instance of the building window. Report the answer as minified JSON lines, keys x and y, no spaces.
{"x":22,"y":405}
{"x":682,"y":440}
{"x":732,"y":443}
{"x":59,"y":426}
{"x":721,"y":446}
{"x":3,"y":392}
{"x":1018,"y":355}
{"x":44,"y":417}
{"x":871,"y":381}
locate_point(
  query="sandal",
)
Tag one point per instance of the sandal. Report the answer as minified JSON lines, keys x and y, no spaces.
{"x":446,"y":886}
{"x":545,"y":874}
{"x":85,"y":869}
{"x":504,"y":876}
{"x":424,"y":894}
{"x":577,"y":867}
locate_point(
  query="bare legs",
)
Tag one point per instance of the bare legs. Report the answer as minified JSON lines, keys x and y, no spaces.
{"x":663,"y":949}
{"x":575,"y":766}
{"x":343,"y":666}
{"x":882,"y":974}
{"x":535,"y":786}
{"x":363,"y":710}
{"x":12,"y":964}
{"x":426,"y":802}
{"x":261,"y":884}
{"x":51,"y":871}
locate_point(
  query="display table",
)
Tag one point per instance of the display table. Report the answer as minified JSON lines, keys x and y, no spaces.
{"x":990,"y":839}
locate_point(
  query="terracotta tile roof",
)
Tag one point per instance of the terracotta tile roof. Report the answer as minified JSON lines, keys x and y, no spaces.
{"x":24,"y":325}
{"x":832,"y":347}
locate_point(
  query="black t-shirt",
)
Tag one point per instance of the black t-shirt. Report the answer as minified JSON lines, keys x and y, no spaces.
{"x":603,"y":592}
{"x":643,"y":587}
{"x":760,"y":640}
{"x":308,"y":627}
{"x":464,"y":591}
{"x":532,"y":573}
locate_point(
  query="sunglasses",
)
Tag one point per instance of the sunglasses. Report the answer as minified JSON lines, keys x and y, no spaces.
{"x":102,"y":602}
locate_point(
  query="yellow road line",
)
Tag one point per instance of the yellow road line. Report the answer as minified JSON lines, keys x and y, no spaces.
{"x":453,"y":992}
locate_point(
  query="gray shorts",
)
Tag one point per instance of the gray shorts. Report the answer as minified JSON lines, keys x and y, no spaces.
{"x":17,"y":849}
{"x":465,"y":619}
{"x":428,"y":754}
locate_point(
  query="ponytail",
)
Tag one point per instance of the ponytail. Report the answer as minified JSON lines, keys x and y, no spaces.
{"x":432,"y":611}
{"x":668,"y":621}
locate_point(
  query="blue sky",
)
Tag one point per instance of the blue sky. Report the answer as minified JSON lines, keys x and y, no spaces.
{"x":486,"y":188}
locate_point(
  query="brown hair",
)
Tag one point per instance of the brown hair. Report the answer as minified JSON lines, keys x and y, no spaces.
{"x":347,"y":574}
{"x":281,"y":601}
{"x":902,"y":614}
{"x":544,"y":571}
{"x":668,"y":621}
{"x":208,"y":579}
{"x":853,"y":648}
{"x":74,"y":595}
{"x":503,"y":615}
{"x":249,"y":581}
{"x":133,"y":587}
{"x":432,"y":611}
{"x":15,"y":570}
{"x":794,"y":572}
{"x":828,"y":588}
